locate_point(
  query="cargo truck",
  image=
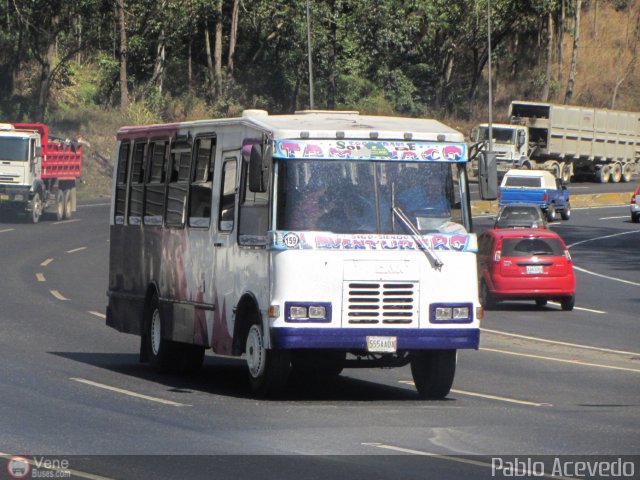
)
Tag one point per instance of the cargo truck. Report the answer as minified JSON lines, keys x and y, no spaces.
{"x":38,"y":171}
{"x":597,"y":144}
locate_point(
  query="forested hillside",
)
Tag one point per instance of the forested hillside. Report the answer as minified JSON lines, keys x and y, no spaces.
{"x":89,"y":66}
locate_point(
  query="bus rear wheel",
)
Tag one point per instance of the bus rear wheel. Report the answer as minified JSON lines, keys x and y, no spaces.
{"x":165,"y":355}
{"x":433,"y":372}
{"x":268,"y":368}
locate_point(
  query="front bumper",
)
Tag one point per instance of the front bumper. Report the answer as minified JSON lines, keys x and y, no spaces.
{"x":356,"y":338}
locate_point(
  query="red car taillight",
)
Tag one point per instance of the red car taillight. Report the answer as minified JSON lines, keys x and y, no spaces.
{"x":567,"y":254}
{"x":546,"y":196}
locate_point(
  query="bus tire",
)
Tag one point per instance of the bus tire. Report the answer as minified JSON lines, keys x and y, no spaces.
{"x":268,"y":368}
{"x":68,"y":209}
{"x":433,"y":372}
{"x":160,"y":352}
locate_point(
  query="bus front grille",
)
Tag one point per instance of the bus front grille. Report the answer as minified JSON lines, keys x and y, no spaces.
{"x":380,"y":303}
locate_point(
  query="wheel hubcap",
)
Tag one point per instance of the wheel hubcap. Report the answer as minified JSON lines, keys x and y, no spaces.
{"x":155,"y":332}
{"x":255,"y":352}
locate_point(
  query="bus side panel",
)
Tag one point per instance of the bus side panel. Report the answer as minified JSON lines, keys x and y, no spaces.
{"x":125,"y":312}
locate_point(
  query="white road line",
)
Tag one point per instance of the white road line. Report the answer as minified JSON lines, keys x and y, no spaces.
{"x":615,"y":279}
{"x":612,"y":218}
{"x":556,"y":342}
{"x":600,"y":206}
{"x":7,"y":230}
{"x":129,"y":392}
{"x":79,"y":249}
{"x":66,"y":221}
{"x":602,"y":238}
{"x":584,"y":309}
{"x":46,"y":262}
{"x":491,"y":397}
{"x":63,"y":471}
{"x":97,"y":314}
{"x":467,"y":461}
{"x":89,"y":205}
{"x":58,"y":295}
{"x":560,"y":360}
{"x":40,"y":277}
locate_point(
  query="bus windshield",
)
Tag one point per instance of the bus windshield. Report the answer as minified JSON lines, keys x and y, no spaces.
{"x":358,"y":196}
{"x":14,"y":148}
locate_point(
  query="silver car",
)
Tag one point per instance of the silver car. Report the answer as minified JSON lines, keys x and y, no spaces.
{"x":520,"y":215}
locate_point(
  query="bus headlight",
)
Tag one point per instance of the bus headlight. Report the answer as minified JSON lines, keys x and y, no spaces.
{"x":451,"y":313}
{"x":307,"y":312}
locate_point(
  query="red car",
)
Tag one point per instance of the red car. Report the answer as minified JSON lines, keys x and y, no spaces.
{"x":525,"y":264}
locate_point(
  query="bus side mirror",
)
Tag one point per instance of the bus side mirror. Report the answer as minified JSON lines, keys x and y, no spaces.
{"x":488,"y":175}
{"x":38,"y":151}
{"x":259,"y":161}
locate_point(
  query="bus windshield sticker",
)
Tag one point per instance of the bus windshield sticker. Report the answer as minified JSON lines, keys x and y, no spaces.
{"x":286,"y":240}
{"x":372,"y":150}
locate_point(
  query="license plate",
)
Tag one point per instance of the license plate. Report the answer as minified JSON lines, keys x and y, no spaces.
{"x":533,"y":269}
{"x":382,"y":344}
{"x":4,"y":196}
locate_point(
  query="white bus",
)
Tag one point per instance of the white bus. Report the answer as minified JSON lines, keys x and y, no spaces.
{"x":308,"y":242}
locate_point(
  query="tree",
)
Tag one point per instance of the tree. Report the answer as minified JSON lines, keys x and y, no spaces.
{"x":124,"y":89}
{"x":574,"y":57}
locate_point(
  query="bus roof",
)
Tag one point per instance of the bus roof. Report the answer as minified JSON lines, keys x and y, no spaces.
{"x":322,"y":124}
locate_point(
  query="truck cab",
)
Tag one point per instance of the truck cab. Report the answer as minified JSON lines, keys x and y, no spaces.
{"x":509,"y":142}
{"x":20,"y":163}
{"x":538,"y":187}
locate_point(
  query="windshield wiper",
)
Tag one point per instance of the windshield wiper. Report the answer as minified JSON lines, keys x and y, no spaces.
{"x":415,"y":233}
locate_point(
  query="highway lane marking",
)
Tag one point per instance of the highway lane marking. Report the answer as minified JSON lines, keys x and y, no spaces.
{"x":46,"y":262}
{"x":561,"y":360}
{"x":612,"y":218}
{"x":129,"y":392}
{"x":602,"y":238}
{"x":7,"y":230}
{"x":66,"y":221}
{"x":63,"y":471}
{"x":556,"y":342}
{"x":584,"y":309}
{"x":97,"y":314}
{"x":89,"y":205}
{"x":58,"y":295}
{"x":467,"y":461}
{"x":40,"y":277}
{"x":615,"y":279}
{"x":79,"y":249}
{"x":490,"y":397}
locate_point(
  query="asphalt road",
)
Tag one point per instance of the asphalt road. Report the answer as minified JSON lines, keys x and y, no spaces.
{"x":544,"y":382}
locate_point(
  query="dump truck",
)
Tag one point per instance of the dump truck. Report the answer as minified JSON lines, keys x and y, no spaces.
{"x":590,"y":143}
{"x":38,"y":171}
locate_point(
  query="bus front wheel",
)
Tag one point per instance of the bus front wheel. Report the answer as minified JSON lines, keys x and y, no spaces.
{"x":433,"y":372}
{"x":268,"y":368}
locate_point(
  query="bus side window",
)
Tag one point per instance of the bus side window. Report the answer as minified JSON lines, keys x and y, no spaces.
{"x":227,"y":195}
{"x":201,"y":183}
{"x":136,"y":183}
{"x":253,"y":221}
{"x":155,"y":186}
{"x":178,"y":184}
{"x":121,"y":182}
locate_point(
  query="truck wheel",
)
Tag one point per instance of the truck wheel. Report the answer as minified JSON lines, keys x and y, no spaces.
{"x":433,"y":372}
{"x":627,"y":173}
{"x":59,"y":205}
{"x":68,"y":213}
{"x":268,"y":369}
{"x":603,"y":174}
{"x":36,"y":208}
{"x":567,"y":303}
{"x":566,"y":212}
{"x":616,"y":173}
{"x":551,"y":213}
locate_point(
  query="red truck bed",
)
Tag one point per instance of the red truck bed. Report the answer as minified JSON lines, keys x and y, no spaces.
{"x":61,"y":158}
